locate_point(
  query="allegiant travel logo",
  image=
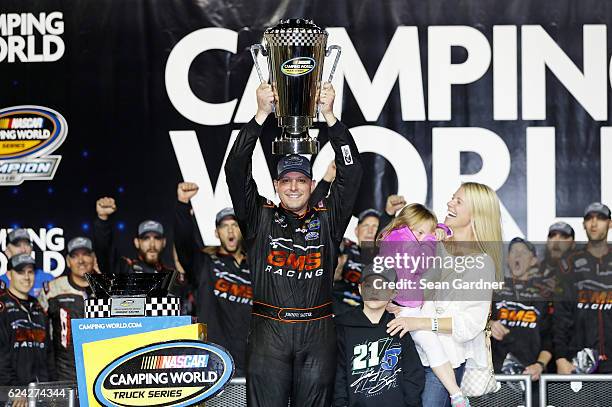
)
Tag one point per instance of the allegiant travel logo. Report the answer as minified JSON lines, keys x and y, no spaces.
{"x":28,"y":134}
{"x":174,"y":373}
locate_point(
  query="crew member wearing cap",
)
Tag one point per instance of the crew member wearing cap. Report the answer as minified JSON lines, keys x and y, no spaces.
{"x":521,"y":324}
{"x":24,"y":345}
{"x":559,"y":242}
{"x":398,"y":378}
{"x":149,"y":243}
{"x":293,"y":251}
{"x":220,"y":276}
{"x":583,"y":317}
{"x":346,"y":290}
{"x":63,"y":299}
{"x":18,"y":242}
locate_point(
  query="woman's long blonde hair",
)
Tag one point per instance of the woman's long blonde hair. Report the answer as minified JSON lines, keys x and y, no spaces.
{"x":486,"y":222}
{"x":410,"y":215}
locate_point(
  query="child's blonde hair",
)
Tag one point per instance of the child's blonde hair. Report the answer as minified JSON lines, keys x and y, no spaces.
{"x":411,"y":216}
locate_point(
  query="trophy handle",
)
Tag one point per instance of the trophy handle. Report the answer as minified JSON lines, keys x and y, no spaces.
{"x":328,"y":53}
{"x":263,"y":52}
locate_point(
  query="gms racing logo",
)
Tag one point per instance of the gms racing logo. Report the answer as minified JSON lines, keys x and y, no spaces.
{"x":515,"y":314}
{"x":27,"y":135}
{"x":594,"y":295}
{"x":283,"y":260}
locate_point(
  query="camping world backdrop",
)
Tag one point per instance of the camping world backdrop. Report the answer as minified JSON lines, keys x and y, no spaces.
{"x":513,"y":94}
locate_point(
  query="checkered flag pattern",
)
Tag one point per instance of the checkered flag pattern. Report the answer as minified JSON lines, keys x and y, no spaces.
{"x":295,"y":37}
{"x":97,"y":308}
{"x":154,"y":307}
{"x":163,"y":307}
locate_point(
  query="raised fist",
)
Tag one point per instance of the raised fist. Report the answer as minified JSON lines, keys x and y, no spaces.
{"x":265,"y":99}
{"x":105,"y":207}
{"x":326,"y":98}
{"x":186,"y":191}
{"x":394,"y":204}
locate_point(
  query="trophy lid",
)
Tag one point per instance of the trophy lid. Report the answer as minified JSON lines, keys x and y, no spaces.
{"x":295,"y":24}
{"x":131,"y":284}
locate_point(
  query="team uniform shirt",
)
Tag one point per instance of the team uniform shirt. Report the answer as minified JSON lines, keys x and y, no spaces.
{"x":584,"y":318}
{"x":24,"y":345}
{"x":223,"y":292}
{"x":519,"y":306}
{"x":374,"y":368}
{"x":63,"y":301}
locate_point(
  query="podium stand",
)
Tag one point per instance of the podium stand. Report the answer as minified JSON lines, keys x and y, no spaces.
{"x":135,"y":350}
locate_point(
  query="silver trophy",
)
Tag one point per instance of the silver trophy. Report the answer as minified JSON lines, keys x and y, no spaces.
{"x":296,"y":50}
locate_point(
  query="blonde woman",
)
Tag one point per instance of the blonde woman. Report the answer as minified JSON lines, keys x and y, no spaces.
{"x":474,"y":216}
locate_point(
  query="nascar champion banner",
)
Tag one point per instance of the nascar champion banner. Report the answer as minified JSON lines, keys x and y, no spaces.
{"x":126,"y":99}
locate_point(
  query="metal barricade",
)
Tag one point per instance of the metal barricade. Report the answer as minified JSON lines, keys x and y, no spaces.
{"x":593,"y":390}
{"x":512,"y":391}
{"x":233,"y":395}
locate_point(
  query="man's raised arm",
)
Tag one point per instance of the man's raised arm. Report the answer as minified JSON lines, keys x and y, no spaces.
{"x":238,"y":167}
{"x":348,"y":166}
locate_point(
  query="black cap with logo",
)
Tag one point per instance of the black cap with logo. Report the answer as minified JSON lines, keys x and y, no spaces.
{"x":20,"y":261}
{"x":19,"y":235}
{"x":293,"y":163}
{"x":79,"y":243}
{"x":150,"y":226}
{"x":597,"y":208}
{"x":224,"y":213}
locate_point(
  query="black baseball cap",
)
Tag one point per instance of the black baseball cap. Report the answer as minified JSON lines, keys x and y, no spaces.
{"x":20,"y":261}
{"x":18,"y":235}
{"x":598,"y":208}
{"x":293,"y":163}
{"x":527,"y":243}
{"x":368,"y":212}
{"x":388,"y":274}
{"x":79,"y":243}
{"x":224,"y":213}
{"x":563,"y":228}
{"x":150,"y":226}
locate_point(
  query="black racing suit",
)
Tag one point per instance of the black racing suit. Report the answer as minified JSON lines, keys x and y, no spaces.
{"x":584,"y":318}
{"x":224,"y":295}
{"x":25,"y":354}
{"x":346,"y":290}
{"x":548,"y":280}
{"x":520,"y":307}
{"x":63,"y":301}
{"x":292,"y":344}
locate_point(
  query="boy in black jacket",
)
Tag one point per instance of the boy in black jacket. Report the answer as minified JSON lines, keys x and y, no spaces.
{"x":374,"y":368}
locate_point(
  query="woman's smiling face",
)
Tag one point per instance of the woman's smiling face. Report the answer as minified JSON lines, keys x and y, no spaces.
{"x":459,"y":214}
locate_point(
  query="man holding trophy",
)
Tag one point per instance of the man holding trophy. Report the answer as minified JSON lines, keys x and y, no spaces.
{"x":293,"y":247}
